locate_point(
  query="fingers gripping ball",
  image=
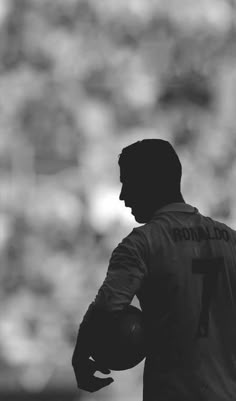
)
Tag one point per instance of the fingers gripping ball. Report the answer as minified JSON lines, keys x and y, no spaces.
{"x":118,"y":343}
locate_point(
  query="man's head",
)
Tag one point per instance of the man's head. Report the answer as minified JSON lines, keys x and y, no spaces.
{"x":150,"y":173}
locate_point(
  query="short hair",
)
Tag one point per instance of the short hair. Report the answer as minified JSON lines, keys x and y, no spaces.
{"x":152,"y":160}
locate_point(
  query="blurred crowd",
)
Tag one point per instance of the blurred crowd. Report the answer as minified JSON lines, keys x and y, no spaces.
{"x":80,"y":80}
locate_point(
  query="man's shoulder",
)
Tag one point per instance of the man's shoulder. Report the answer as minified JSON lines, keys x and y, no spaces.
{"x":138,"y":236}
{"x":220,"y":226}
{"x":138,"y":233}
{"x":218,"y":223}
{"x":146,"y":231}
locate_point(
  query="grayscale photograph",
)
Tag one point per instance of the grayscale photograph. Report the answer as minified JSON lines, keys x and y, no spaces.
{"x":117,"y":200}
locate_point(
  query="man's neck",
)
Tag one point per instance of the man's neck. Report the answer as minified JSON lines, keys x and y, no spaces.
{"x":172,"y":199}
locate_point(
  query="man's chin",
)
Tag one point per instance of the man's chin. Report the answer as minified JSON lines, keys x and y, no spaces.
{"x":140,"y":218}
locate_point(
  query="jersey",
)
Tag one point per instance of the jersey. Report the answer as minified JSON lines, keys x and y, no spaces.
{"x":182,"y":267}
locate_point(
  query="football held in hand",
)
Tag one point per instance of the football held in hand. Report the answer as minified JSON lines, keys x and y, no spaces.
{"x":118,"y":343}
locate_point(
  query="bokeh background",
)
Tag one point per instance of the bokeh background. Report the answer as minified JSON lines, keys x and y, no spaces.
{"x":80,"y":80}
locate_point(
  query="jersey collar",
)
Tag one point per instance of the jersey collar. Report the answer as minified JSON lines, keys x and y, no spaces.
{"x":176,"y":207}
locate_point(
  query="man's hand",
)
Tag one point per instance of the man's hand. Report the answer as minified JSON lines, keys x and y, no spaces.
{"x":84,"y":372}
{"x":84,"y":368}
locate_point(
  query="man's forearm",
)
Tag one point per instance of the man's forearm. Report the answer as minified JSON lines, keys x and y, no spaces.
{"x":83,"y":342}
{"x":93,"y":318}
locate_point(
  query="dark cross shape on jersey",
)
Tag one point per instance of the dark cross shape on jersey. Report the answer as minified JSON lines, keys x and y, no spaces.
{"x":210,"y":269}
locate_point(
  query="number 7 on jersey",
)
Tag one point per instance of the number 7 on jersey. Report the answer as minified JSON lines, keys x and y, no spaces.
{"x":209,"y":269}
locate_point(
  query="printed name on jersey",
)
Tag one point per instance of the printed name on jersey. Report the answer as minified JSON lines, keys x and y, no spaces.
{"x":199,"y":233}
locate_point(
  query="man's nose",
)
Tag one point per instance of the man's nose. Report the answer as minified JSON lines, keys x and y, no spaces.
{"x":121,"y":197}
{"x":124,"y":193}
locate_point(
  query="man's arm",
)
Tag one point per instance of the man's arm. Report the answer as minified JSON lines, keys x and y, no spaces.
{"x":126,"y":271}
{"x":84,"y":367}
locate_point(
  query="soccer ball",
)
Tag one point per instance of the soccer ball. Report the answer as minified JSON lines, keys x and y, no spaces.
{"x":119,"y":343}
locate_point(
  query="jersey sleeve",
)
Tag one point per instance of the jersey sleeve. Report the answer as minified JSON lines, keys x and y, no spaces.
{"x":126,"y":272}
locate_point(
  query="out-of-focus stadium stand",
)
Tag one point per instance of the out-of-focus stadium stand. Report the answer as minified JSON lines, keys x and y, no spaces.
{"x":79,"y":80}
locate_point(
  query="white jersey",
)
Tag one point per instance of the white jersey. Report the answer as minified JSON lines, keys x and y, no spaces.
{"x":182,"y":267}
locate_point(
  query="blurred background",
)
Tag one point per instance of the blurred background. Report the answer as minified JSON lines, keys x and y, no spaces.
{"x":80,"y":80}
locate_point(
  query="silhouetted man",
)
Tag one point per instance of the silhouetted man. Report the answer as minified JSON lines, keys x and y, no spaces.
{"x":183,"y":269}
